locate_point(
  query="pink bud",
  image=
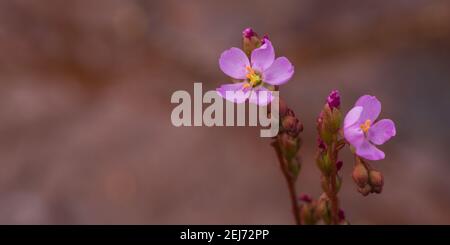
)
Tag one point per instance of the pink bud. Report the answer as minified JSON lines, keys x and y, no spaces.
{"x":334,"y":99}
{"x":248,"y":33}
{"x":306,"y":198}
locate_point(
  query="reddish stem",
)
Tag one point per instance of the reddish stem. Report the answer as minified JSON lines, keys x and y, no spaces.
{"x":333,"y":192}
{"x":290,"y":182}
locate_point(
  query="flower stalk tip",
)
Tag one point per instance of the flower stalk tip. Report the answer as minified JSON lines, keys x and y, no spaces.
{"x":334,"y":99}
{"x":248,"y":33}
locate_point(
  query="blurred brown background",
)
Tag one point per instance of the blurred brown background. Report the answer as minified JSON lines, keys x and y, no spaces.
{"x":85,"y":131}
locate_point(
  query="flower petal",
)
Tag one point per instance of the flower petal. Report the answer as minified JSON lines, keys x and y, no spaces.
{"x":352,"y":116}
{"x":354,"y":135}
{"x":261,"y":96}
{"x":263,"y":57}
{"x":233,"y":62}
{"x":371,"y":108}
{"x":279,"y":72}
{"x":370,"y":152}
{"x":234,"y":92}
{"x":381,"y":131}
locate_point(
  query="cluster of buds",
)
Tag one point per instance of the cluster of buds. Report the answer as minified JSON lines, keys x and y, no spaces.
{"x":329,"y":144}
{"x":366,"y":178}
{"x":287,"y":145}
{"x":314,"y":211}
{"x":288,"y":138}
{"x":309,"y":210}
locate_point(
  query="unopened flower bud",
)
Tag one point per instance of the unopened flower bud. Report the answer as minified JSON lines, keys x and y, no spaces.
{"x":324,"y":163}
{"x":365,"y":190}
{"x":322,"y":128}
{"x":334,"y":99}
{"x":251,"y":41}
{"x":289,"y":122}
{"x":376,"y":178}
{"x":292,"y":125}
{"x":330,"y":120}
{"x":360,"y":175}
{"x":305,"y":198}
{"x":289,"y":146}
{"x":248,"y":33}
{"x":336,"y":120}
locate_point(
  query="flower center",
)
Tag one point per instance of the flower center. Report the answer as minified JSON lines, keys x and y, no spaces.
{"x":365,"y":126}
{"x":254,"y":78}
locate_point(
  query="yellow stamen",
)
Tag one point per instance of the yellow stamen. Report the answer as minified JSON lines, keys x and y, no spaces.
{"x":249,"y":70}
{"x":252,"y":76}
{"x":246,"y":85}
{"x":365,"y":126}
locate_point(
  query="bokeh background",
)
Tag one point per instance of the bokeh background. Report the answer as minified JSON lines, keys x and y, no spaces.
{"x":85,"y":130}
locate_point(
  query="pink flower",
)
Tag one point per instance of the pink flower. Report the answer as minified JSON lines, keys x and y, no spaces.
{"x":256,"y":74}
{"x":361,"y":130}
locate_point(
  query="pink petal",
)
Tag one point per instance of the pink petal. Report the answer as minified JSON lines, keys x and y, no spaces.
{"x":368,"y":151}
{"x":261,"y":96}
{"x":352,"y":116}
{"x":381,"y":131}
{"x":371,"y":108}
{"x":233,"y":62}
{"x":262,"y":57}
{"x":279,"y":72}
{"x":234,"y":92}
{"x":354,"y":135}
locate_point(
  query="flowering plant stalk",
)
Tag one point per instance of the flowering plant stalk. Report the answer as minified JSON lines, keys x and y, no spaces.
{"x":258,"y":75}
{"x":286,"y":145}
{"x":329,"y":145}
